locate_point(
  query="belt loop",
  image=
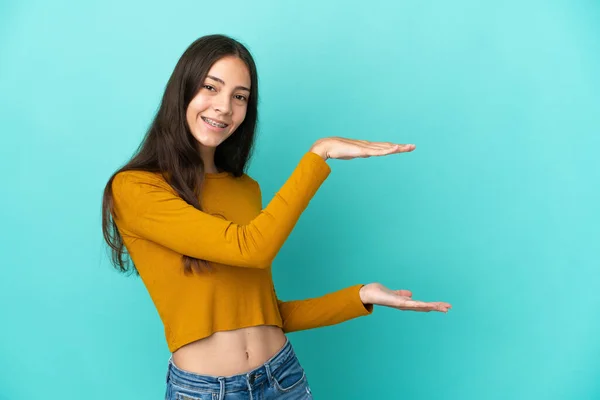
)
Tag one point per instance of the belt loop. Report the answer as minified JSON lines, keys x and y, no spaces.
{"x":269,"y":375}
{"x":221,"y":388}
{"x":249,"y":383}
{"x":168,"y":371}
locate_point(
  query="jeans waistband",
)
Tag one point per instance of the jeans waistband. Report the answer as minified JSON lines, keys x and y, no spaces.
{"x":231,"y":383}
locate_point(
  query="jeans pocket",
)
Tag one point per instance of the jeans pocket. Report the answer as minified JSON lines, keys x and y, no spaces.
{"x":194,"y":396}
{"x":183,"y":393}
{"x":289,"y":377}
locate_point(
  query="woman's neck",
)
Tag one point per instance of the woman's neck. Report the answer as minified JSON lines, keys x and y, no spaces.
{"x":208,"y":158}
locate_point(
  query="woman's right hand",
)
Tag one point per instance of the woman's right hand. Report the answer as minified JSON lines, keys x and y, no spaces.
{"x":347,"y":149}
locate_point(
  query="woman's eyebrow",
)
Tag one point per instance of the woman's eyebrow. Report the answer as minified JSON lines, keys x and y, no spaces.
{"x":223,"y":82}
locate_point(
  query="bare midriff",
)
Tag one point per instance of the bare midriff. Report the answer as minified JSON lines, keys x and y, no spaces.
{"x":229,"y":353}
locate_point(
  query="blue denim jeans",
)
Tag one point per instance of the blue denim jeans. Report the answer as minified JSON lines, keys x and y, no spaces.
{"x":281,"y":377}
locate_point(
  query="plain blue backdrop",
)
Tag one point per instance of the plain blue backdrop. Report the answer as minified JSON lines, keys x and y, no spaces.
{"x":496,"y":211}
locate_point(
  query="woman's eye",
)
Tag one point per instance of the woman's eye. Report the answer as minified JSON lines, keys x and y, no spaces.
{"x":240,"y":97}
{"x":209,"y":87}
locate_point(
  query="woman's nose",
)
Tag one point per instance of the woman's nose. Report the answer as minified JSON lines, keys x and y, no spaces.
{"x":222,"y":105}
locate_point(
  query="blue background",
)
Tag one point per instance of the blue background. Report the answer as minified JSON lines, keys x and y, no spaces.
{"x":496,"y":211}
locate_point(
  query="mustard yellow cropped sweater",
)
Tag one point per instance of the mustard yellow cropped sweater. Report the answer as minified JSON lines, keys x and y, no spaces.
{"x":158,"y":227}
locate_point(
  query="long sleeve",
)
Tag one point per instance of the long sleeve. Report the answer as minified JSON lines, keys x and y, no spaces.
{"x":331,"y":309}
{"x":147,"y":207}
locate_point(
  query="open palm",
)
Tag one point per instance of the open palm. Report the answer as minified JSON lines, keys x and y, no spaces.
{"x":376,"y":293}
{"x":347,"y":149}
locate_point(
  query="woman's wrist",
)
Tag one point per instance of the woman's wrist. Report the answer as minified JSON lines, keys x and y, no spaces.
{"x":364,"y":295}
{"x":319,"y":148}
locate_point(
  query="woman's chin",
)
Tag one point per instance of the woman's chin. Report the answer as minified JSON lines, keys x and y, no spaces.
{"x":208,"y":140}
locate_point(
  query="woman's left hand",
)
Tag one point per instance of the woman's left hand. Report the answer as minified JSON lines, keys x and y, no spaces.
{"x":376,"y":293}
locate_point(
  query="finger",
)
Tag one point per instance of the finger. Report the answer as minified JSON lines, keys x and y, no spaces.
{"x":399,"y":148}
{"x":390,"y":145}
{"x":441,"y":306}
{"x":427,"y":306}
{"x":384,"y":151}
{"x":414,"y":305}
{"x":383,"y":145}
{"x":405,"y":148}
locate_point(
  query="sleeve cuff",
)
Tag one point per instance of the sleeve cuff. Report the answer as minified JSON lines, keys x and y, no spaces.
{"x":322,"y":169}
{"x":358,"y":306}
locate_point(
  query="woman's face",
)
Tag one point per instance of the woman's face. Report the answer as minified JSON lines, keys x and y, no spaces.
{"x":220,"y":106}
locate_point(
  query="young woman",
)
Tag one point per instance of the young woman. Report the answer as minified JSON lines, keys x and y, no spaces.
{"x":192,"y":222}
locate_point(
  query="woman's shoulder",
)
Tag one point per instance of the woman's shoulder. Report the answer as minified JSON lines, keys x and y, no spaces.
{"x":247,"y":178}
{"x":250,"y":181}
{"x":126,"y":181}
{"x":131,"y":176}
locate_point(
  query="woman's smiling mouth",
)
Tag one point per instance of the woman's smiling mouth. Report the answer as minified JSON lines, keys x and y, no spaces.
{"x":214,"y":123}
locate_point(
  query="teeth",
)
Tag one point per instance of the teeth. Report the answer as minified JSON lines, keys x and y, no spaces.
{"x":214,"y":123}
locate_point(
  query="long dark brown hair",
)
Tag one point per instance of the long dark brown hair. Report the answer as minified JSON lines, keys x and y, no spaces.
{"x":169,"y":147}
